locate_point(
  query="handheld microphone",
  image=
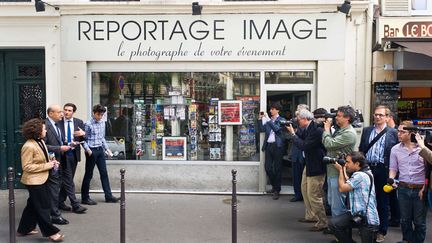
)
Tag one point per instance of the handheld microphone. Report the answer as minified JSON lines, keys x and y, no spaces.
{"x":389,"y":187}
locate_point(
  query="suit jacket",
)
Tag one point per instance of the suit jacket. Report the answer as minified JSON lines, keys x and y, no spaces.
{"x":34,"y":165}
{"x":391,"y":140}
{"x":310,"y":142}
{"x":277,"y":128}
{"x":78,"y":123}
{"x":53,"y":141}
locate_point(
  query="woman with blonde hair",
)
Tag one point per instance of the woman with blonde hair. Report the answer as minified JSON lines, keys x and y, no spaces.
{"x":36,"y":168}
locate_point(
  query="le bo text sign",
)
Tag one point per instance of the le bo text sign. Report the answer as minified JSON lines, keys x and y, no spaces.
{"x":205,"y":37}
{"x":406,"y":28}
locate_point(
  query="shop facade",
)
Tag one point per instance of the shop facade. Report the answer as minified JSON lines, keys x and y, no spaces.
{"x":183,"y":91}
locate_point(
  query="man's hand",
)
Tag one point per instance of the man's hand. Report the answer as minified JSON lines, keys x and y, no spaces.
{"x":291,"y":129}
{"x":64,"y":148}
{"x":328,"y":124}
{"x":338,"y":167}
{"x":89,"y":152}
{"x":109,"y":153}
{"x":79,"y":133}
{"x":421,"y":193}
{"x":420,"y":140}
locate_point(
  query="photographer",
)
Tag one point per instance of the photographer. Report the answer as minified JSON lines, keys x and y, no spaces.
{"x":340,"y":143}
{"x":274,"y":146}
{"x":363,"y":212}
{"x":408,"y":158}
{"x":309,"y":141}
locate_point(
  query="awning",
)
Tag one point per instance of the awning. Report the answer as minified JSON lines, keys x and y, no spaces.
{"x":421,"y":47}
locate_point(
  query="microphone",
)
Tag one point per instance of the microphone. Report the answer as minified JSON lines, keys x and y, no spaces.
{"x":389,"y":187}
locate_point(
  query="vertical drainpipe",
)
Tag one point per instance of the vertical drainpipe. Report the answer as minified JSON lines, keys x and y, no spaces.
{"x":368,"y":62}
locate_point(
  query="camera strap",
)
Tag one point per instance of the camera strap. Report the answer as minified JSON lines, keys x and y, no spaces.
{"x":376,"y":138}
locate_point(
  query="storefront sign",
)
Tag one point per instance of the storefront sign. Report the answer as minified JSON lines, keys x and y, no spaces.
{"x":174,"y":148}
{"x":405,"y":27}
{"x":230,"y":112}
{"x":205,"y":37}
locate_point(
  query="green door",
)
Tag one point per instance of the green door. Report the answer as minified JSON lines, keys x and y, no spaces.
{"x":22,"y":97}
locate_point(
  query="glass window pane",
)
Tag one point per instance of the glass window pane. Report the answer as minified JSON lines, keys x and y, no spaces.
{"x":145,"y":107}
{"x":289,"y":77}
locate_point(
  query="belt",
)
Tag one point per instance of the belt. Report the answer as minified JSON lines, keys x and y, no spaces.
{"x":96,"y":148}
{"x":410,"y":186}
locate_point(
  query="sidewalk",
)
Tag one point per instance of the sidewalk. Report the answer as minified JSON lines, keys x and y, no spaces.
{"x":183,"y":218}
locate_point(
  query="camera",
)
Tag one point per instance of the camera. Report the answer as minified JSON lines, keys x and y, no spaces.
{"x":427,"y":131}
{"x":358,"y":219}
{"x":292,"y":122}
{"x":330,"y":160}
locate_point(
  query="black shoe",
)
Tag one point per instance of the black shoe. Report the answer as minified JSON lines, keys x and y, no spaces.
{"x":270,"y":191}
{"x":60,"y":221}
{"x":88,"y":202}
{"x":276,"y":195}
{"x":79,"y":209}
{"x":112,"y":200}
{"x":64,"y":207}
{"x":296,"y":199}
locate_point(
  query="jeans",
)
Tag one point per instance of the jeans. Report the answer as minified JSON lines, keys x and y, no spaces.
{"x":334,"y":197}
{"x":413,"y":212}
{"x":342,"y":225}
{"x":97,"y":158}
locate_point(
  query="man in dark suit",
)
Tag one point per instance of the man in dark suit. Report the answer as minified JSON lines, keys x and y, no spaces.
{"x":73,"y":133}
{"x":54,"y":142}
{"x":378,"y":156}
{"x":309,"y":141}
{"x":274,"y":146}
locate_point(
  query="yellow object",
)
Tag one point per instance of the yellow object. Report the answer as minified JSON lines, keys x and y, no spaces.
{"x":388,"y":188}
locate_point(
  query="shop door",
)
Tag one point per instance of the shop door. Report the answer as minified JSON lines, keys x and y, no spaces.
{"x":22,"y":97}
{"x":289,"y":101}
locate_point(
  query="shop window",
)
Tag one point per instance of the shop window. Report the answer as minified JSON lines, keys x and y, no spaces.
{"x":421,"y":7}
{"x":159,"y":116}
{"x":289,"y":77}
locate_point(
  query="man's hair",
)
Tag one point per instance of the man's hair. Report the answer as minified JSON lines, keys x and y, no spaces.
{"x":347,"y":111}
{"x":387,"y":110}
{"x":302,"y":106}
{"x":406,"y":123}
{"x":74,"y":108}
{"x":276,"y":105}
{"x":320,"y":112}
{"x":395,"y":118}
{"x":32,"y":129}
{"x":305,"y":114}
{"x":99,"y":109}
{"x":358,"y":157}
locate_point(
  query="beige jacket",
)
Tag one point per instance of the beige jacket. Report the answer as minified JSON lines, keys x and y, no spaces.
{"x":34,"y":165}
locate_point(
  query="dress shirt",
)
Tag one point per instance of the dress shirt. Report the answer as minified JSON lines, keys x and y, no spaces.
{"x":272,"y":136}
{"x":410,"y":165}
{"x":72,"y":127}
{"x":95,"y":134}
{"x":376,"y":152}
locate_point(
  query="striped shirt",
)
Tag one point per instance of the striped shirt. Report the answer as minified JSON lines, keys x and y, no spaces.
{"x":95,"y":134}
{"x":376,"y":152}
{"x":360,"y":182}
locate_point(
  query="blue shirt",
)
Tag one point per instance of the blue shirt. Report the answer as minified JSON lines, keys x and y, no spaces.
{"x":376,"y":152}
{"x":358,"y":196}
{"x":95,"y":134}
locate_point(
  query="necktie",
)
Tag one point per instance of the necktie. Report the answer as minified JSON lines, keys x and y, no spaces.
{"x":69,"y":132}
{"x":58,"y":131}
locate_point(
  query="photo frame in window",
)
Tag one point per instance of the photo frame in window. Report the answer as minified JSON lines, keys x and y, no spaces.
{"x":230,"y":112}
{"x":174,"y":148}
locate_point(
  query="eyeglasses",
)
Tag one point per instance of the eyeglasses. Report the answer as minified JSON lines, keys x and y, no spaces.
{"x":380,"y":115}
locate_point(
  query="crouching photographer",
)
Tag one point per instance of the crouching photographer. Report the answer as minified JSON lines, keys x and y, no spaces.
{"x":363,"y":212}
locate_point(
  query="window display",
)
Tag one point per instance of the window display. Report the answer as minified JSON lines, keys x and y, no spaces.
{"x":176,"y":116}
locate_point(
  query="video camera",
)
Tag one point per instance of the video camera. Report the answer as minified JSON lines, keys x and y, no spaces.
{"x":427,"y":131}
{"x":330,"y":160}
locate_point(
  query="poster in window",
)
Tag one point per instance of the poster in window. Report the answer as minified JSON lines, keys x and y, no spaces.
{"x":230,"y":112}
{"x":174,"y":148}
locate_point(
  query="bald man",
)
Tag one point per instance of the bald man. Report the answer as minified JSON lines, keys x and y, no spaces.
{"x":54,"y":142}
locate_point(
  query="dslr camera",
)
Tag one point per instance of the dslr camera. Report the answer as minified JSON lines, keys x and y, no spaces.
{"x":330,"y":160}
{"x":292,"y":122}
